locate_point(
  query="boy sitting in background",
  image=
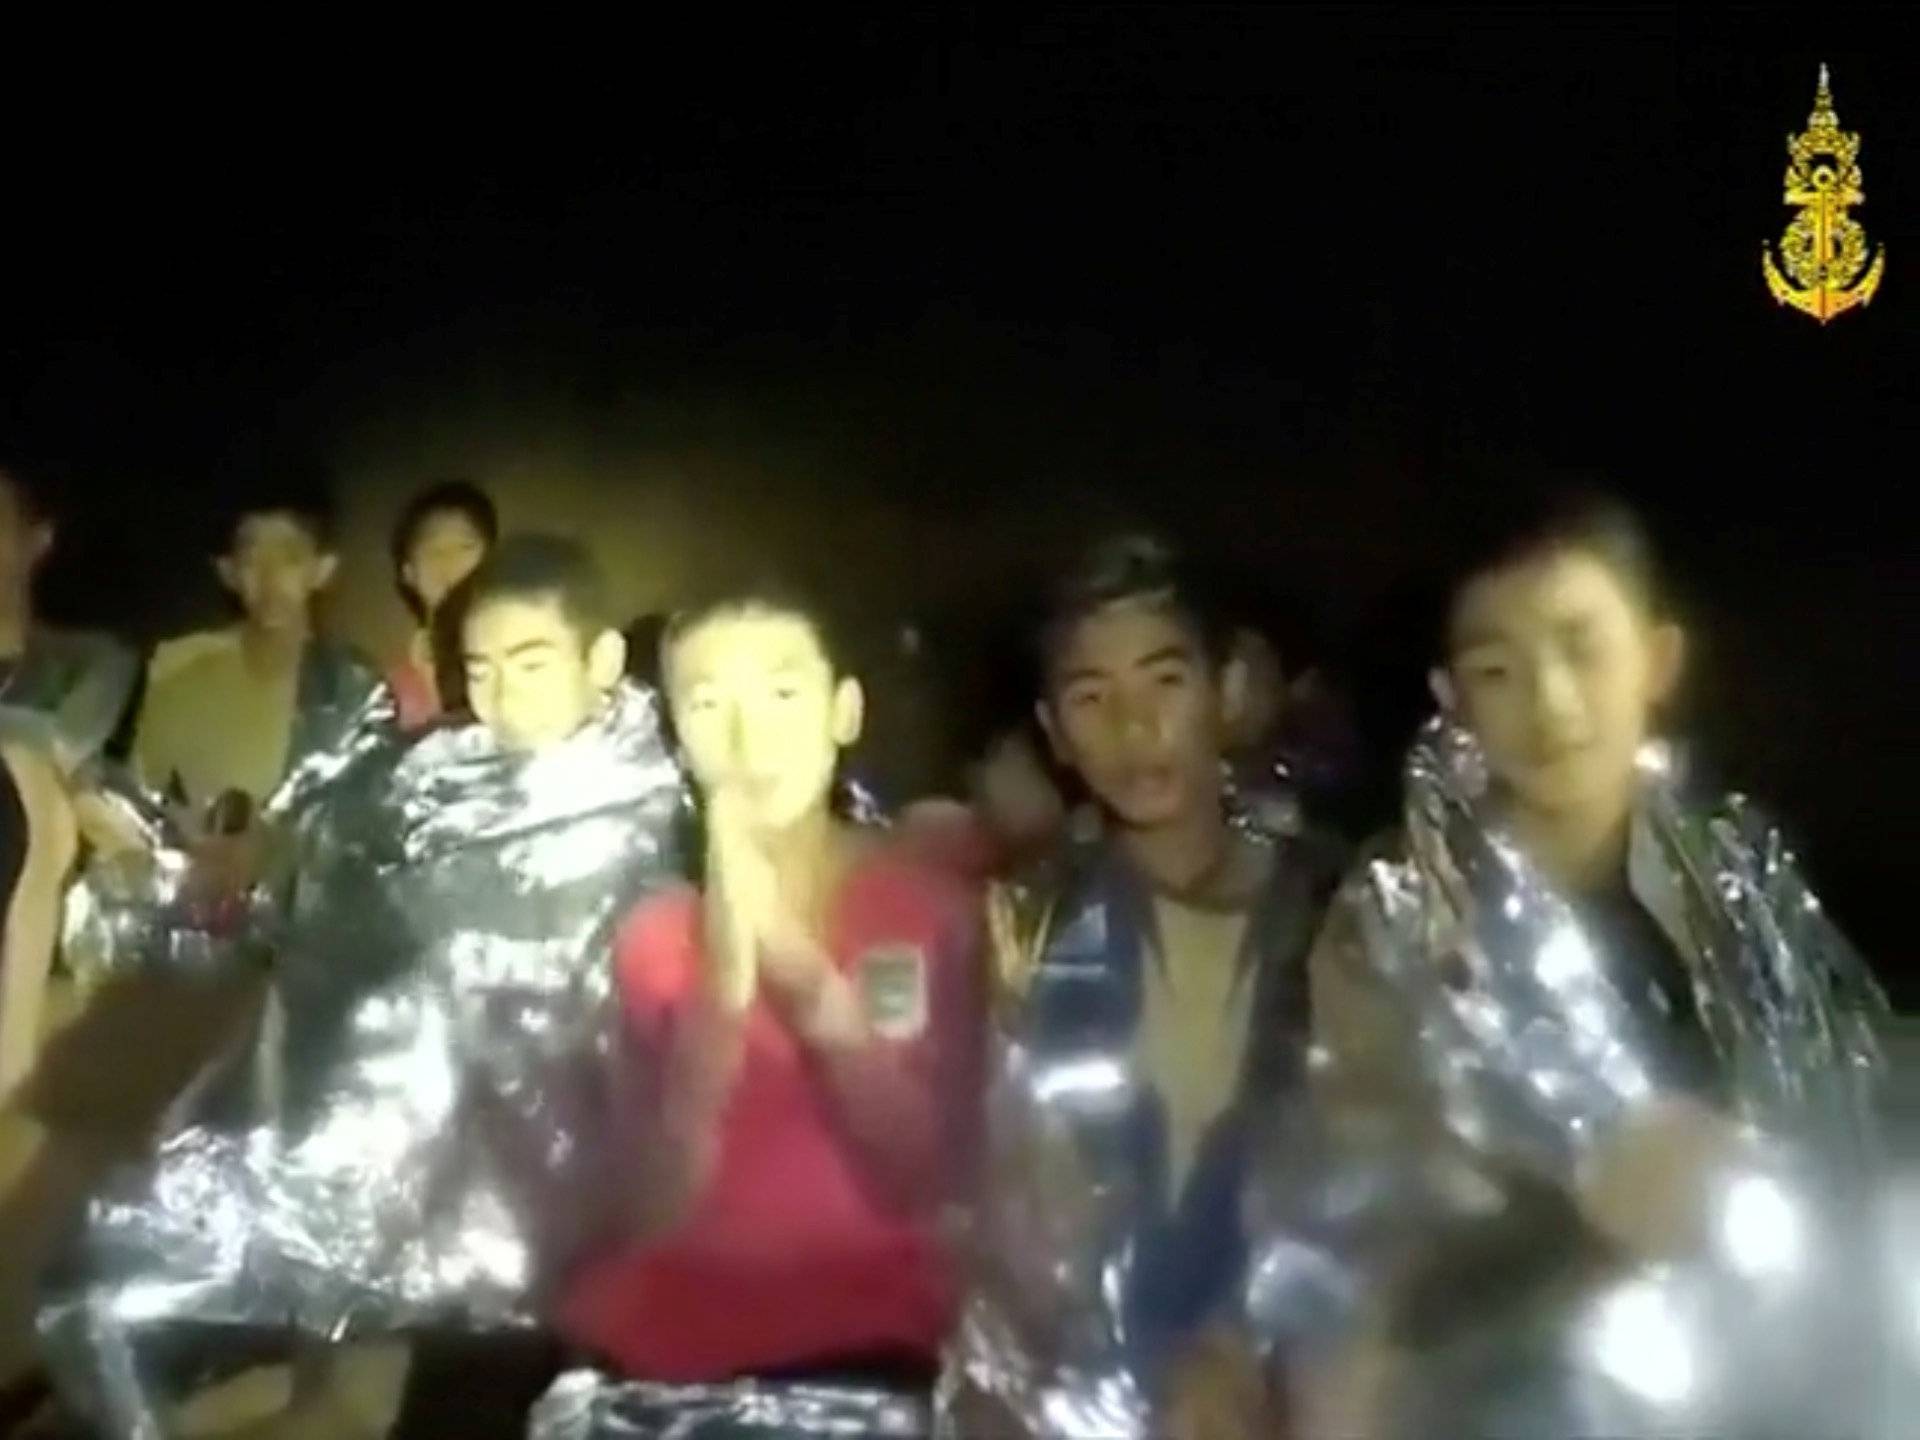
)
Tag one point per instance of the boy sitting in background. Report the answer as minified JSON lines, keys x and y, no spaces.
{"x":228,"y":712}
{"x":445,"y":531}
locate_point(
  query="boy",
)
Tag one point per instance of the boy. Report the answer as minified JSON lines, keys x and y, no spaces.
{"x":808,"y":1018}
{"x":1564,"y":1003}
{"x":229,"y":712}
{"x":415,"y":1136}
{"x":1151,"y":994}
{"x":67,"y":690}
{"x":445,"y":531}
{"x":37,"y":846}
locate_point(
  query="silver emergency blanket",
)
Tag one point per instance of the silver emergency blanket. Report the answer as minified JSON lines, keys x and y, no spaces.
{"x":1444,"y":1245}
{"x":421,"y":1130}
{"x":585,"y":1405}
{"x":133,"y":908}
{"x":67,"y":691}
{"x":1262,"y":798}
{"x":1088,"y":1271}
{"x":1041,"y":1347}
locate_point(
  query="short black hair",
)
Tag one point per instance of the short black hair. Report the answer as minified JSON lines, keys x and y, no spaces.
{"x":29,"y":493}
{"x":302,"y":494}
{"x":535,"y":566}
{"x":643,"y":647}
{"x":1518,"y":523}
{"x":771,"y":595}
{"x":443,"y":497}
{"x":1137,"y":566}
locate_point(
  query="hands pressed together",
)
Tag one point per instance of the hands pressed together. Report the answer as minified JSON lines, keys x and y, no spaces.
{"x":758,"y":941}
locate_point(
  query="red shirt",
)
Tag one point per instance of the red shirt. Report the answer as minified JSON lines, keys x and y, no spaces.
{"x":952,"y":837}
{"x":413,"y":695}
{"x":811,"y":1180}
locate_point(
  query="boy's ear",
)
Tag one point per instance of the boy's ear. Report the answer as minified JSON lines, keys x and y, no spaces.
{"x":1667,"y":642}
{"x":228,"y":572}
{"x":849,"y":711}
{"x":40,"y":542}
{"x":1235,"y":679}
{"x":1043,"y":712}
{"x":323,"y":570}
{"x":607,"y":659}
{"x":1440,"y":682}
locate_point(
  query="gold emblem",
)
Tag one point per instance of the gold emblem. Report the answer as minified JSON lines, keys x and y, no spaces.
{"x":1824,"y":251}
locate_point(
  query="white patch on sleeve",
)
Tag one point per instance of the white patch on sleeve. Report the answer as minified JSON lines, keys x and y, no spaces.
{"x":893,"y":990}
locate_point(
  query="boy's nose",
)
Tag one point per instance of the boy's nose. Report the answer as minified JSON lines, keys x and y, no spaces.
{"x":1137,"y":720}
{"x":1554,"y":692}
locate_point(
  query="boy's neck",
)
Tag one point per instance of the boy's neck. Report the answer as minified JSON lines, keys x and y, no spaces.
{"x":272,"y":647}
{"x":16,"y":619}
{"x":1581,"y":848}
{"x":1184,"y":855}
{"x":421,"y":657}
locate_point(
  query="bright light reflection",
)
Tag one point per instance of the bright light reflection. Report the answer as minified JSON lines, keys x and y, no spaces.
{"x":1640,"y":1344}
{"x":1094,"y":1077}
{"x":1565,"y":957}
{"x":1761,"y":1228}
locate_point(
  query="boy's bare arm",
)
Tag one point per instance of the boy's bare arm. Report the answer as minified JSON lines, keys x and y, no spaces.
{"x":32,"y":918}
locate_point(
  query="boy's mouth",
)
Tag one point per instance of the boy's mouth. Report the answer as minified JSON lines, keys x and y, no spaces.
{"x":1560,"y":752}
{"x":1149,"y":781}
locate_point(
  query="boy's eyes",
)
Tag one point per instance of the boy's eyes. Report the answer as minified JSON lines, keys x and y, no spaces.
{"x":271,"y":555}
{"x":1585,"y":649}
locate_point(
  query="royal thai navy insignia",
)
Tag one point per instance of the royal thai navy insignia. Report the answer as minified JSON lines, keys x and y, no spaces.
{"x":1826,"y":265}
{"x":893,"y":991}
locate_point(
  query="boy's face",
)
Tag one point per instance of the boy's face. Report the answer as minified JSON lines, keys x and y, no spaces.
{"x":760,"y":711}
{"x":24,"y":541}
{"x":1558,"y":670}
{"x":447,"y":547}
{"x":1264,"y":695}
{"x":1134,"y":707}
{"x":274,"y":569}
{"x":532,"y":678}
{"x":1012,"y":788}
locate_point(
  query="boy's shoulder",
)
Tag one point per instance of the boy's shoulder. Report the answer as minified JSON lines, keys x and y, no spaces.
{"x":1020,"y":907}
{"x":897,"y":881}
{"x":84,"y":648}
{"x":183,"y":653}
{"x":1354,"y":865}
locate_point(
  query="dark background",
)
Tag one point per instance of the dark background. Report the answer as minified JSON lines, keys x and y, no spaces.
{"x":1281,"y":279}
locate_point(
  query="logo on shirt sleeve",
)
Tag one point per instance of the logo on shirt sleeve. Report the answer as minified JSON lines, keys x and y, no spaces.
{"x":893,"y":991}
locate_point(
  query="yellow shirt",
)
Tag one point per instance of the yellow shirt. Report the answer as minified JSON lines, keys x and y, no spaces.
{"x":213,"y":721}
{"x":1196,"y":1020}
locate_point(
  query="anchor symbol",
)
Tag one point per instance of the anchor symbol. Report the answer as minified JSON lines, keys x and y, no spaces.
{"x":1824,"y":250}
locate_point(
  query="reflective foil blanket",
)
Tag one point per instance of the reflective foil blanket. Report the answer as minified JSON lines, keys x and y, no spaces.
{"x":1087,"y":1268}
{"x":134,"y":907}
{"x":421,"y":1131}
{"x":1494,"y":1088}
{"x":583,"y":1405}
